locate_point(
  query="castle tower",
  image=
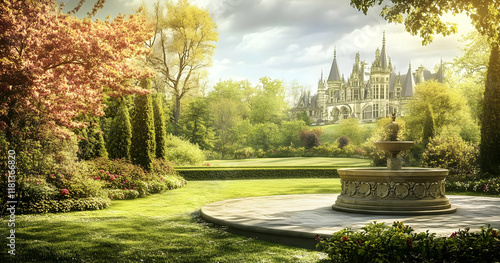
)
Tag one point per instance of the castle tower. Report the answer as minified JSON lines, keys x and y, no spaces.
{"x":380,"y":75}
{"x":321,"y":100}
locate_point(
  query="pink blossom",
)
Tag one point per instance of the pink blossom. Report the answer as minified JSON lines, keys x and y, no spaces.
{"x":64,"y":191}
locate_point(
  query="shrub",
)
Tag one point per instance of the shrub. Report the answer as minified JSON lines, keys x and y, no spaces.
{"x":327,"y":150}
{"x":247,"y":152}
{"x":309,"y":139}
{"x":343,"y":141}
{"x":65,"y":205}
{"x":143,"y":147}
{"x":452,"y":153}
{"x":183,"y":152}
{"x":377,"y":242}
{"x":489,"y":186}
{"x":35,"y":190}
{"x":120,"y":133}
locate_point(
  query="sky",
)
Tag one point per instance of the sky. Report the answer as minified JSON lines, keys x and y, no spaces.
{"x":294,"y":40}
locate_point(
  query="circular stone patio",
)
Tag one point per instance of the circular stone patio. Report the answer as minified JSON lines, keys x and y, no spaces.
{"x":296,"y":219}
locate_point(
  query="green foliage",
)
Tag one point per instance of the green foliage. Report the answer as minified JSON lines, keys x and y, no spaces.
{"x":143,"y":148}
{"x":428,"y":130}
{"x":377,"y":242}
{"x":488,"y":186}
{"x":183,"y":152}
{"x":66,"y":205}
{"x":289,"y":132}
{"x":447,"y":108}
{"x":244,"y":153}
{"x":121,"y":194}
{"x":304,"y":117}
{"x":120,"y":133}
{"x":264,"y":135}
{"x":352,"y":129}
{"x":256,"y":173}
{"x":309,"y":139}
{"x":452,"y":153}
{"x":160,"y":127}
{"x":269,"y":105}
{"x":196,"y":124}
{"x":343,"y":141}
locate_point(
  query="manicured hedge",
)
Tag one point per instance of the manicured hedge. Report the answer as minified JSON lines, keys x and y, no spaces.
{"x":377,"y":242}
{"x":66,"y":205}
{"x":242,"y":173}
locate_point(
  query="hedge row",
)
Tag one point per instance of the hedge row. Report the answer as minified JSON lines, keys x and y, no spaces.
{"x":239,"y":173}
{"x":66,"y":205}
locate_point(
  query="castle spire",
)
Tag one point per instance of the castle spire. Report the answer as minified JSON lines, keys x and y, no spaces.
{"x":383,"y":55}
{"x":334,"y":71}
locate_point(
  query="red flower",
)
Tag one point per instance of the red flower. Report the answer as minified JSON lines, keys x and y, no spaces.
{"x":345,"y":238}
{"x":37,"y":182}
{"x":359,"y":242}
{"x":317,"y":237}
{"x":494,"y":233}
{"x":454,"y":234}
{"x":51,"y":176}
{"x":126,"y":188}
{"x":64,"y":191}
{"x":101,"y":171}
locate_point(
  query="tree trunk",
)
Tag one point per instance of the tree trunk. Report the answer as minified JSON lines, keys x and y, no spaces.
{"x":177,"y":112}
{"x":490,"y":117}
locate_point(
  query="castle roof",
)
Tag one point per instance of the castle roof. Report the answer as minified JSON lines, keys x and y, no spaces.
{"x":384,"y":61}
{"x":408,"y":84}
{"x":334,"y":71}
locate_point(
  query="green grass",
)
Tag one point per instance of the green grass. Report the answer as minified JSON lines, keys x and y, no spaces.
{"x":159,"y":228}
{"x":292,"y":161}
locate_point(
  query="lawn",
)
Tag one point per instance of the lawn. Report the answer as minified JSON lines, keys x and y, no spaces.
{"x":160,"y":228}
{"x":292,"y":161}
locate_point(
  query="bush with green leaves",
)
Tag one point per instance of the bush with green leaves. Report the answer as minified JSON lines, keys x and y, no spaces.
{"x":377,"y":242}
{"x":343,"y":141}
{"x":143,"y":147}
{"x":288,"y":151}
{"x":452,"y":153}
{"x":183,"y":152}
{"x":244,"y":153}
{"x":328,"y":150}
{"x":487,"y":186}
{"x":120,"y":133}
{"x":309,"y":139}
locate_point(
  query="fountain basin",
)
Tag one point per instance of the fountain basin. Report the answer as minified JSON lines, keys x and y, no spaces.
{"x":409,"y":191}
{"x":394,"y":147}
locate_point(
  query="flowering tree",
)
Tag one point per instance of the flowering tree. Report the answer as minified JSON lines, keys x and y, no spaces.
{"x":55,"y":67}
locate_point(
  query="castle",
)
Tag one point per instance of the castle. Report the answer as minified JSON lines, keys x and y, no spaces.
{"x":368,"y":94}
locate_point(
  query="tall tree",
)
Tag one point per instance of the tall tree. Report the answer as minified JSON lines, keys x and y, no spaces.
{"x":120,"y":134}
{"x":447,"y":108}
{"x":183,"y":48}
{"x":425,"y":18}
{"x":143,"y":149}
{"x":160,"y":126}
{"x":196,"y":124}
{"x":269,"y":104}
{"x":55,"y":66}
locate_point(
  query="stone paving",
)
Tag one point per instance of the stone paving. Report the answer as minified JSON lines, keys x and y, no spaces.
{"x":297,"y":219}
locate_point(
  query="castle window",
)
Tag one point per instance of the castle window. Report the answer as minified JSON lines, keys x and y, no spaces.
{"x":367,"y":113}
{"x":375,"y":110}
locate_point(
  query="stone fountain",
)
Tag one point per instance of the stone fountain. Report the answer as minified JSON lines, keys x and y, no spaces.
{"x":393,"y":190}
